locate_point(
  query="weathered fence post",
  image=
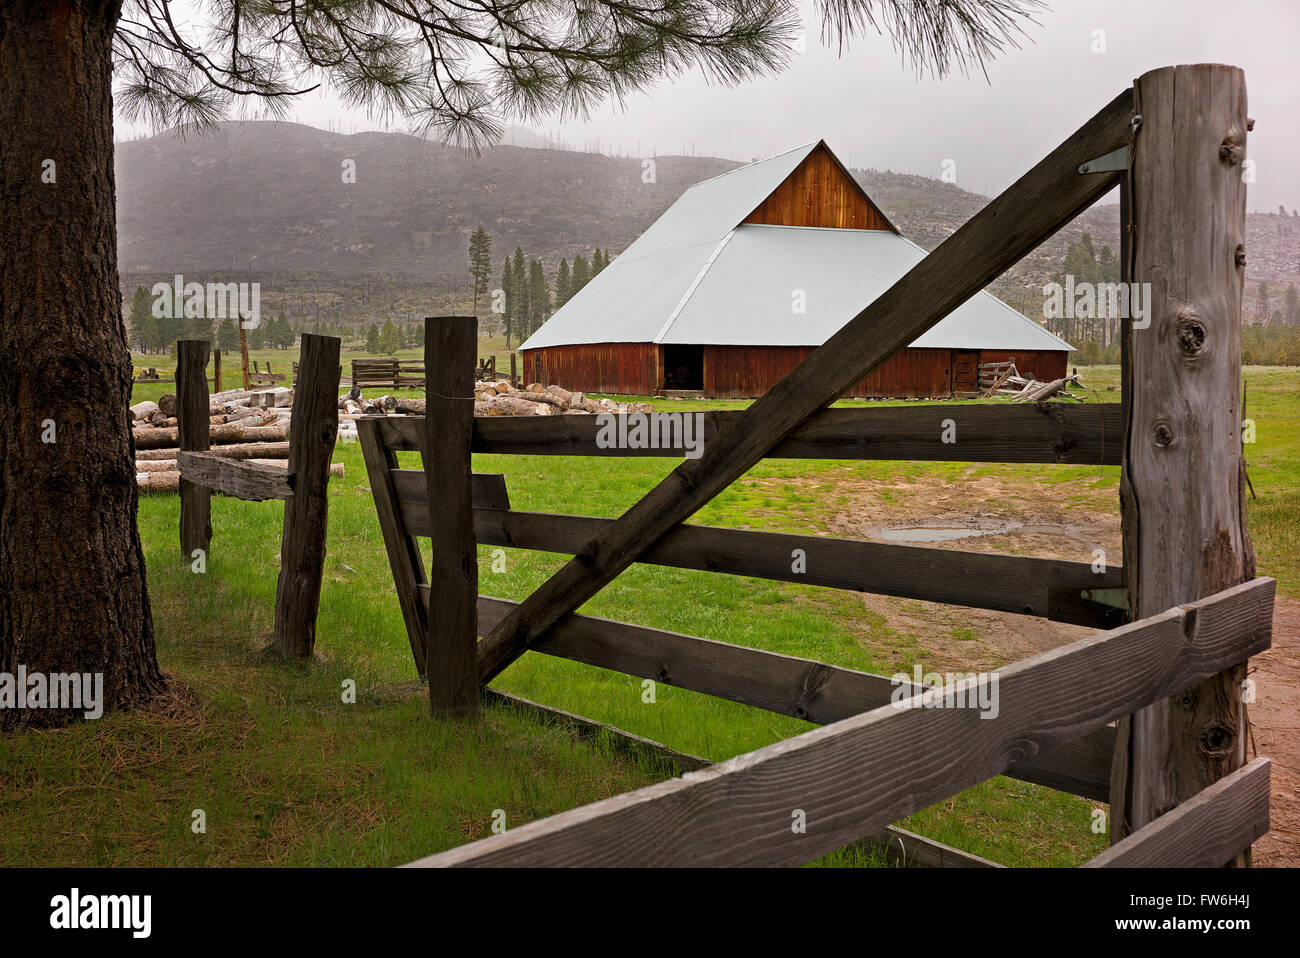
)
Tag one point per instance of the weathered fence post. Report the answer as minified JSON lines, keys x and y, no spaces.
{"x":216,"y":370}
{"x":514,"y":375}
{"x":243,"y":352}
{"x":451,"y":654}
{"x":192,"y":436}
{"x":1181,"y":487}
{"x":312,"y":431}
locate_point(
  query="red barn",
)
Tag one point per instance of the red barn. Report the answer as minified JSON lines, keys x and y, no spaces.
{"x":749,"y":272}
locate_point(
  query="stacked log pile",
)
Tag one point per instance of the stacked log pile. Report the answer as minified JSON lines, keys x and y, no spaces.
{"x":253,"y":425}
{"x":502,"y":399}
{"x":1004,"y":379}
{"x":250,"y":425}
{"x":1034,"y":391}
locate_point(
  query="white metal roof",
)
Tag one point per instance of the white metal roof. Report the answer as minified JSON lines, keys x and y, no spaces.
{"x":697,"y":277}
{"x":712,"y":208}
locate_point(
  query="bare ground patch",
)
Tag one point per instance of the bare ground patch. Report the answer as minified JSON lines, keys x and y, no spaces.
{"x":1275,"y":729}
{"x":1064,"y":520}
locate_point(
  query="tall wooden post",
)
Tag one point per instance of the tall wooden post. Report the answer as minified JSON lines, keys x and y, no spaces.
{"x":514,"y":373}
{"x":216,"y":370}
{"x":243,"y":353}
{"x":312,"y":431}
{"x":192,"y":436}
{"x":451,"y":654}
{"x":1181,"y":487}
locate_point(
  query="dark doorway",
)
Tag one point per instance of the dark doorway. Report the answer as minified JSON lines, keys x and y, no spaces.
{"x":965,"y":373}
{"x":683,"y":367}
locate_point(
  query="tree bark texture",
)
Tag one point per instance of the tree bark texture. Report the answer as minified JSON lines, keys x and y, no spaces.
{"x":73,"y":595}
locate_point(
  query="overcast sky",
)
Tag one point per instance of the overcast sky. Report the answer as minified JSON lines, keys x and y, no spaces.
{"x":874,"y":112}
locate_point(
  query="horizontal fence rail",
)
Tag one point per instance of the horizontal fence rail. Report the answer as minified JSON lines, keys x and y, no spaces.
{"x":1042,"y":433}
{"x":899,"y":846}
{"x":394,"y":373}
{"x":800,"y":688}
{"x":1048,"y":588}
{"x":1206,"y":831}
{"x":855,"y":777}
{"x":235,"y":477}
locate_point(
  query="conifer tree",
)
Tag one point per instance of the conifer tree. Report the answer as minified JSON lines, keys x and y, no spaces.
{"x":519,"y":288}
{"x":539,"y":297}
{"x":228,"y":335}
{"x":580,"y":277}
{"x":144,"y":328}
{"x":480,"y":263}
{"x":388,"y":341}
{"x":508,"y":299}
{"x":562,"y":284}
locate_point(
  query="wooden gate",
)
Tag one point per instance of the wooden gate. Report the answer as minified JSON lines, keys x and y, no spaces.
{"x":1066,"y":717}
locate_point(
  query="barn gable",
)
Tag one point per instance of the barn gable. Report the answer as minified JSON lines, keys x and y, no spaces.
{"x":820,"y":192}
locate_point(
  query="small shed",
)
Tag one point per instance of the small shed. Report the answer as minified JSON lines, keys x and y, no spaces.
{"x":749,"y":272}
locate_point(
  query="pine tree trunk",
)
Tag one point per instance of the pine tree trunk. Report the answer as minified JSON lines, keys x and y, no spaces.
{"x":73,"y":596}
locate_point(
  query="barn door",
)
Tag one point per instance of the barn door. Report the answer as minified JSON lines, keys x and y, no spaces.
{"x":965,"y":373}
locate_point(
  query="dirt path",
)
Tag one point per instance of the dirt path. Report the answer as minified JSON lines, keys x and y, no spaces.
{"x":1275,"y":722}
{"x":1068,"y":521}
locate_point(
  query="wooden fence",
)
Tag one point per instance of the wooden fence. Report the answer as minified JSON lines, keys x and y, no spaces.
{"x":403,"y":373}
{"x":265,"y":377}
{"x":1147,"y":714}
{"x":389,"y":373}
{"x":303,"y":487}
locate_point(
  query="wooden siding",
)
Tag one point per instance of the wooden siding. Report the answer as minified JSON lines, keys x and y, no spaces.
{"x":745,"y":372}
{"x":741,"y":372}
{"x":631,"y":368}
{"x":819,"y":193}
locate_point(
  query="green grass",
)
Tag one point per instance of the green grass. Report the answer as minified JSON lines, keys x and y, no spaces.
{"x":289,"y":774}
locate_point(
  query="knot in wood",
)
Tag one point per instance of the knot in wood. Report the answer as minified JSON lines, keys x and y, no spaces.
{"x":1063,"y":451}
{"x":1230,"y":149}
{"x":1191,"y":334}
{"x":1163,"y":434}
{"x":1240,"y":256}
{"x":1218,"y":740}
